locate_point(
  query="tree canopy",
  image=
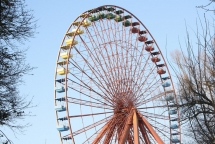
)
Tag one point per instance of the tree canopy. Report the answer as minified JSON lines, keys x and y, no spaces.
{"x":17,"y":25}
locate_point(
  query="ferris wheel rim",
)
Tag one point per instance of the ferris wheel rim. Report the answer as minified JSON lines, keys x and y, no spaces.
{"x":67,"y":110}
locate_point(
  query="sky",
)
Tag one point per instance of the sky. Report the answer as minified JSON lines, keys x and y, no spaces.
{"x":164,"y":19}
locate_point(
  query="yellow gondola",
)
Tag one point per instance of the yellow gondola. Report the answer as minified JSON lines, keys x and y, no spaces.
{"x":62,"y":62}
{"x":65,"y":55}
{"x":86,"y":23}
{"x":78,"y":32}
{"x":76,"y":23}
{"x":62,"y":71}
{"x":65,"y":47}
{"x":71,"y":42}
{"x":83,"y":15}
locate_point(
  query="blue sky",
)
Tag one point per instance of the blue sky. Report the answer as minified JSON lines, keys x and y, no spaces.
{"x":164,"y":19}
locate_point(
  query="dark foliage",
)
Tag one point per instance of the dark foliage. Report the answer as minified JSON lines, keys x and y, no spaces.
{"x":195,"y":72}
{"x":16,"y":25}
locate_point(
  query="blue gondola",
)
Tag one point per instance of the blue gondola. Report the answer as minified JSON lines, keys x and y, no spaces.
{"x":62,"y":128}
{"x":60,"y":99}
{"x":169,"y":97}
{"x":175,"y":133}
{"x":165,"y":78}
{"x":60,"y":108}
{"x":175,"y":119}
{"x":67,"y":138}
{"x":171,"y":112}
{"x":175,"y":140}
{"x":62,"y":119}
{"x":166,"y":84}
{"x":60,"y":80}
{"x":60,"y":89}
{"x":174,"y":126}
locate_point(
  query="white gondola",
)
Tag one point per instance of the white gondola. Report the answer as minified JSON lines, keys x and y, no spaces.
{"x":174,"y":126}
{"x":169,"y":97}
{"x":166,"y":84}
{"x":60,"y":108}
{"x":62,"y":128}
{"x":175,"y":140}
{"x":172,"y":112}
{"x":60,"y":89}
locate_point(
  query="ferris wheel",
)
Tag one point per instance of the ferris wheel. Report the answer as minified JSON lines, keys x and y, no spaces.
{"x":112,"y":84}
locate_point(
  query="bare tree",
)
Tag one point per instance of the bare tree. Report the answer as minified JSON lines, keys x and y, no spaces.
{"x":206,"y":7}
{"x":195,"y":72}
{"x":17,"y":24}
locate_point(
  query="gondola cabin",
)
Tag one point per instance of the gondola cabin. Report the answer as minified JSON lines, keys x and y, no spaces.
{"x":65,"y":55}
{"x":62,"y":71}
{"x":85,"y":23}
{"x":62,"y":128}
{"x":118,"y":18}
{"x":172,"y":112}
{"x":60,"y":108}
{"x":60,"y":89}
{"x":155,"y":59}
{"x":143,"y":39}
{"x":71,"y":42}
{"x":175,"y":140}
{"x":169,"y":97}
{"x":161,"y":71}
{"x":149,"y":48}
{"x":174,"y":126}
{"x":166,"y":84}
{"x":135,"y":30}
{"x":75,"y":32}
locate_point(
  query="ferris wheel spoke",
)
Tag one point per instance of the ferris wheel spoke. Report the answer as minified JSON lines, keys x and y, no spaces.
{"x":102,"y":132}
{"x":95,"y":72}
{"x":80,"y":69}
{"x":120,"y":74}
{"x":143,"y":84}
{"x":111,"y":64}
{"x":100,"y":54}
{"x":98,"y":59}
{"x":92,"y":114}
{"x":101,"y":105}
{"x":143,"y":100}
{"x":150,"y":88}
{"x":120,"y":60}
{"x":88,"y":88}
{"x":165,"y":127}
{"x":148,"y":114}
{"x":91,"y":126}
{"x":160,"y":106}
{"x":164,"y":132}
{"x":126,"y":67}
{"x":116,"y":59}
{"x":156,"y":96}
{"x":146,"y":78}
{"x":139,"y":77}
{"x":83,"y":86}
{"x":118,"y":44}
{"x":139,"y":67}
{"x":133,"y":62}
{"x":125,"y":59}
{"x":84,"y":94}
{"x":94,"y":83}
{"x":136,"y":84}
